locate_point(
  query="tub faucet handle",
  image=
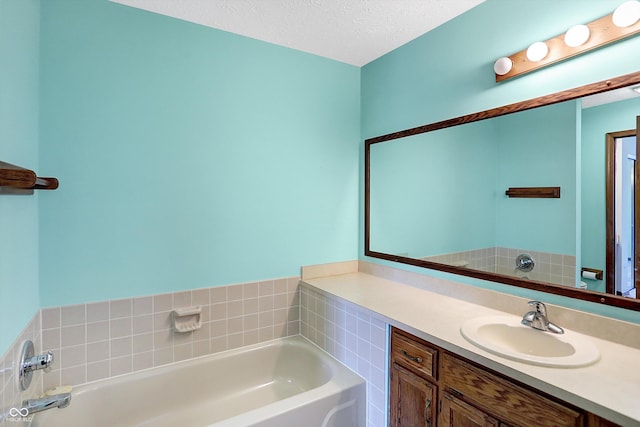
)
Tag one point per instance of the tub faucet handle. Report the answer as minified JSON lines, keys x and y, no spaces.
{"x":30,"y":362}
{"x":41,"y":361}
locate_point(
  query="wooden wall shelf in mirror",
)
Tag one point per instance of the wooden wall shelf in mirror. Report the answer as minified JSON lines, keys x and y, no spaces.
{"x":420,"y":221}
{"x":534,"y":192}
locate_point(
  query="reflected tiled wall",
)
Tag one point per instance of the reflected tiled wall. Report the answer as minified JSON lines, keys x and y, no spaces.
{"x":104,"y":339}
{"x":478,"y":259}
{"x":549,"y":267}
{"x":355,"y":337}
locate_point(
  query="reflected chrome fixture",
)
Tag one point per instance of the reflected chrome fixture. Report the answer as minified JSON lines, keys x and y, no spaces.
{"x":42,"y":404}
{"x":29,"y":362}
{"x":622,"y":23}
{"x":537,"y":319}
{"x":524,"y":262}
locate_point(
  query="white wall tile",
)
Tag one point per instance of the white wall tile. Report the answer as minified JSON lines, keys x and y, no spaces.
{"x":355,"y":337}
{"x":120,"y":308}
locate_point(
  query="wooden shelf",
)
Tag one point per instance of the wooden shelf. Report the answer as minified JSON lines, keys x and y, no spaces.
{"x":25,"y":179}
{"x":534,"y":192}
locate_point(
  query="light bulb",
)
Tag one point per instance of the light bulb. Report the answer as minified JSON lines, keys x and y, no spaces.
{"x":627,"y":14}
{"x":502,"y":66}
{"x":577,"y":35}
{"x":537,"y":51}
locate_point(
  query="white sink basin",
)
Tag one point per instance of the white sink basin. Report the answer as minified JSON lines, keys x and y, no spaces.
{"x":506,"y":337}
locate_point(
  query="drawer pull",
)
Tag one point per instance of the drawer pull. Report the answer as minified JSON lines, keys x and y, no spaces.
{"x":412,"y":358}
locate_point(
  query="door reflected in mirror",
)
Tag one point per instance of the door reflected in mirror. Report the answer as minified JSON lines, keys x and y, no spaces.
{"x":621,"y":201}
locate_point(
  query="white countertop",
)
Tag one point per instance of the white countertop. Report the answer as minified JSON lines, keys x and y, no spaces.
{"x":609,"y":388}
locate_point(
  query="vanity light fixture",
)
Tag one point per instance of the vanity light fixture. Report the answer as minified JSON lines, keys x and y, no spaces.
{"x":627,"y":14}
{"x":622,"y":23}
{"x":577,"y":35}
{"x":537,"y":51}
{"x":503,"y":66}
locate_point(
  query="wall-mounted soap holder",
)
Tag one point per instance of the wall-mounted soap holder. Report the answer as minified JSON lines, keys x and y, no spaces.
{"x":187,"y":319}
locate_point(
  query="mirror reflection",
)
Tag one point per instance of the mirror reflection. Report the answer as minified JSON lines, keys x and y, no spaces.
{"x":440,"y":197}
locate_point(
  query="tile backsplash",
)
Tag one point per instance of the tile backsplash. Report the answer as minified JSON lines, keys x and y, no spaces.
{"x":109,"y":338}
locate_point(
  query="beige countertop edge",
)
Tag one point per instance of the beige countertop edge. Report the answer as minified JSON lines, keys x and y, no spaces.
{"x":609,"y":388}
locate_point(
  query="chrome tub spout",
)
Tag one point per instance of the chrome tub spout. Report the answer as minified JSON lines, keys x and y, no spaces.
{"x":42,"y":404}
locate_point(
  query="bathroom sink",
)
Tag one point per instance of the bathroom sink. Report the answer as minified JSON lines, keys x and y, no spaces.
{"x":506,"y":337}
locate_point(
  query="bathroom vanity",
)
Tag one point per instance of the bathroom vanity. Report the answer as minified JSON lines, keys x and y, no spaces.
{"x":430,"y":386}
{"x":437,"y":377}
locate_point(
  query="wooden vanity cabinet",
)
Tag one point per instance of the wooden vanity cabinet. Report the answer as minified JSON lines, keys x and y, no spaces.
{"x":430,"y":386}
{"x":413,"y":384}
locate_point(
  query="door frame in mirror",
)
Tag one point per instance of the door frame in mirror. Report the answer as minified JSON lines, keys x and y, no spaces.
{"x":610,"y":167}
{"x":566,"y":95}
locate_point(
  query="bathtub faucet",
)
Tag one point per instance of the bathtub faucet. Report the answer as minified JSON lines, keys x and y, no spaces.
{"x":42,"y":404}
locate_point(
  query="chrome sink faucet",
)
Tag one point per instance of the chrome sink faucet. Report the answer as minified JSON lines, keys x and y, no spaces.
{"x":42,"y":404}
{"x":537,"y":319}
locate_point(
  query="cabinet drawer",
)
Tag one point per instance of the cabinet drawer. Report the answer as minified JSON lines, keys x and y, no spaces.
{"x":413,"y":354}
{"x":514,"y":404}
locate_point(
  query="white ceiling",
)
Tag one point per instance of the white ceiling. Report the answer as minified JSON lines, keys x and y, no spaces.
{"x":351,"y":31}
{"x":608,"y":97}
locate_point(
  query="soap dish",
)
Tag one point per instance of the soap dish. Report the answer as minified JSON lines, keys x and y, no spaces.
{"x":187,"y":319}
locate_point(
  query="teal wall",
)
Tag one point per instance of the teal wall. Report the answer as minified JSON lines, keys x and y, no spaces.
{"x":187,"y":156}
{"x":19,"y":35}
{"x":537,"y":148}
{"x":596,"y":123}
{"x":421,"y":205}
{"x":448,"y":72}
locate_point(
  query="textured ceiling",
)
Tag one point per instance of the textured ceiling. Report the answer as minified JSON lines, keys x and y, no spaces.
{"x":352,"y":31}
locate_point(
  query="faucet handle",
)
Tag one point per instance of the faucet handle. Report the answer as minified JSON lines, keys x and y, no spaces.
{"x":540,"y":308}
{"x":29,"y":362}
{"x":41,"y":361}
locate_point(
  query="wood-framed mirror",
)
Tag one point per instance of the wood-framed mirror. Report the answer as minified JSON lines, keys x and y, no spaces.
{"x":412,"y":217}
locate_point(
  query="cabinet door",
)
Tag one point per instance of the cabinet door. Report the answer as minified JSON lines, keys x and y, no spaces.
{"x":456,"y":413}
{"x":412,"y":400}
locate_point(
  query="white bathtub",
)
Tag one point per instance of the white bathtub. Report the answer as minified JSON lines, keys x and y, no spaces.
{"x":286,"y":382}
